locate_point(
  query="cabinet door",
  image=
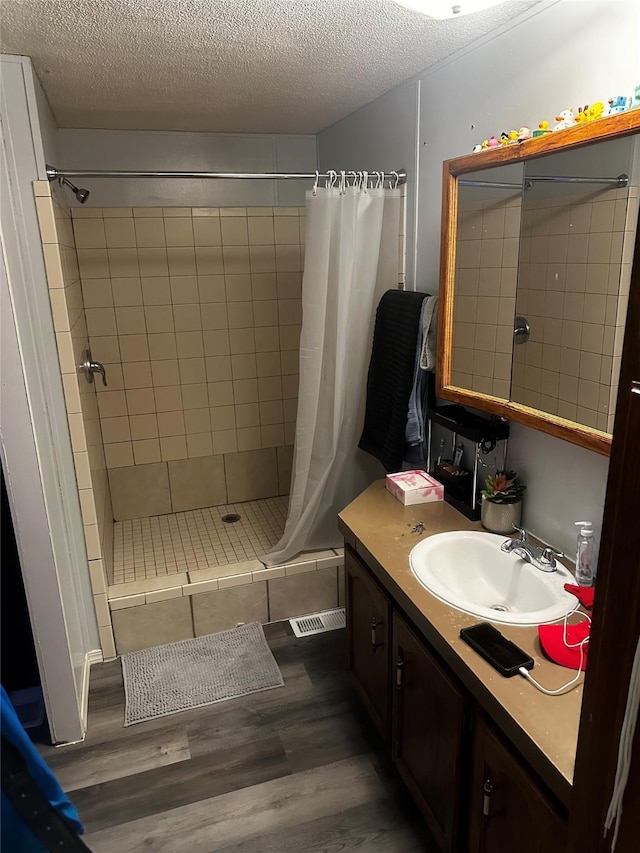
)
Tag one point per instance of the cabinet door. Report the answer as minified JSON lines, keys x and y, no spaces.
{"x":509,"y":810}
{"x":428,"y":732}
{"x":368,"y":634}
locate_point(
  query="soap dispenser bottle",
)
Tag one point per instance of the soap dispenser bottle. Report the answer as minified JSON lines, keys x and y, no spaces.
{"x":584,"y":554}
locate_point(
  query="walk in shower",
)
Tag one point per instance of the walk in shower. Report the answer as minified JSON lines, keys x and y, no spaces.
{"x":184,"y":453}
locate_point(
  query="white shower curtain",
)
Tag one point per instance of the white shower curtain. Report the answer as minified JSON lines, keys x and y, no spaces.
{"x":351,"y":258}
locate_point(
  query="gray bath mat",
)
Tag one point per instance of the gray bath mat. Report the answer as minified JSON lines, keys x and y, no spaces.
{"x":193,"y":673}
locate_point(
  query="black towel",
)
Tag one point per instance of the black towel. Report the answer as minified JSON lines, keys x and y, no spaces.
{"x":390,"y":379}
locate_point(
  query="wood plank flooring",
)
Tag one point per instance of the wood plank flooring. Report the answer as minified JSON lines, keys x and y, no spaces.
{"x":298,"y":769}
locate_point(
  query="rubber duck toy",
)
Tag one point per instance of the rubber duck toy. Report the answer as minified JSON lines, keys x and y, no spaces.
{"x":595,"y":111}
{"x":493,"y":142}
{"x":581,"y":115}
{"x":513,"y":136}
{"x":523,"y":133}
{"x":618,"y":104}
{"x":543,"y":128}
{"x":635,"y":99}
{"x":565,"y":119}
{"x":504,"y":139}
{"x":484,"y":145}
{"x":477,"y":148}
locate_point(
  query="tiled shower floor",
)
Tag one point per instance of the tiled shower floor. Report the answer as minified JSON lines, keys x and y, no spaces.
{"x":198,"y":539}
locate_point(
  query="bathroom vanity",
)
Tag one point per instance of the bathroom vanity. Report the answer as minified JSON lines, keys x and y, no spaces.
{"x":488,"y":760}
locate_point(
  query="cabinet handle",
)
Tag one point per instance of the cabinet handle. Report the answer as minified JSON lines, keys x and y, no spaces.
{"x":399,"y":668}
{"x":487,"y":790}
{"x":374,"y":637}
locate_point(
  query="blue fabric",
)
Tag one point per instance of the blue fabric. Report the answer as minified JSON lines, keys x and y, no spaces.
{"x":16,"y":836}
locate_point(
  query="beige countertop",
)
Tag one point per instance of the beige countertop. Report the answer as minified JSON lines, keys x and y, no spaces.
{"x":543,"y":728}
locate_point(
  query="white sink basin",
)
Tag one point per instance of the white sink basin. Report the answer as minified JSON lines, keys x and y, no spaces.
{"x":467,"y":570}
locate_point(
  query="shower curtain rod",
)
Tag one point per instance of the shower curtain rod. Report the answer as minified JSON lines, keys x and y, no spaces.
{"x":620,"y":181}
{"x":53,"y":174}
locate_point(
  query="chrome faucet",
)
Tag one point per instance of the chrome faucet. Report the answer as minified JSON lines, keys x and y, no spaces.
{"x":542,"y":558}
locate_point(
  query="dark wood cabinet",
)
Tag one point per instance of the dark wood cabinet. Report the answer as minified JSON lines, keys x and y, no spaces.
{"x":428,"y":733}
{"x":509,"y":809}
{"x":475,"y":793}
{"x":368,"y":638}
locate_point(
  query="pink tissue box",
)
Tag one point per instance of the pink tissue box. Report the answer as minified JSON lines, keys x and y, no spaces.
{"x":414,"y":487}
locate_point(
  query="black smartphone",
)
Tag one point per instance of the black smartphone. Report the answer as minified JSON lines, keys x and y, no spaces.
{"x":501,"y":653}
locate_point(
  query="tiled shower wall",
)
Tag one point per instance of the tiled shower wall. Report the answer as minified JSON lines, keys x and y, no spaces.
{"x":573,"y":288}
{"x":485,"y":294}
{"x":82,"y":410}
{"x":196,"y":314}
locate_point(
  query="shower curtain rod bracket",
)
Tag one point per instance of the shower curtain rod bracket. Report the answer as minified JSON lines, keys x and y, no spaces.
{"x":53,"y":174}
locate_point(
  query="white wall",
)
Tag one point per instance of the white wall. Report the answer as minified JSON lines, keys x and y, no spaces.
{"x":559,"y":55}
{"x":178,"y":151}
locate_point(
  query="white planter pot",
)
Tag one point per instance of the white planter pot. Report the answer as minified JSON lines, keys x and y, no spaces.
{"x":500,"y":518}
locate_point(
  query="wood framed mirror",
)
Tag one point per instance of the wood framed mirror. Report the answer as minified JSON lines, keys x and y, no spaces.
{"x":536,"y":258}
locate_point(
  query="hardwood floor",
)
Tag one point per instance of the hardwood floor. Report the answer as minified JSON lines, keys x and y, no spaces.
{"x":298,"y":769}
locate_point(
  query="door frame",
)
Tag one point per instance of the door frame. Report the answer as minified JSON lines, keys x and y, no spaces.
{"x":617,"y":603}
{"x":35,"y":444}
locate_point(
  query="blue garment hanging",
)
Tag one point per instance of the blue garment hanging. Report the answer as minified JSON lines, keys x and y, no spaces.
{"x":15,"y":834}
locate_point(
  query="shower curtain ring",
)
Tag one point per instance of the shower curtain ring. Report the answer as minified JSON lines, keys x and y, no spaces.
{"x":365,"y":181}
{"x":355,"y":177}
{"x":397,"y":180}
{"x":343,"y":182}
{"x":315,"y":183}
{"x":333,"y":177}
{"x":380,"y":182}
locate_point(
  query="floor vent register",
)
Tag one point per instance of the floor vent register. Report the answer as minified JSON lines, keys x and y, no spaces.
{"x":318,"y":623}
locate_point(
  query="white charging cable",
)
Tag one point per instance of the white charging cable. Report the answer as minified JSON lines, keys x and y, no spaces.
{"x":580,"y":646}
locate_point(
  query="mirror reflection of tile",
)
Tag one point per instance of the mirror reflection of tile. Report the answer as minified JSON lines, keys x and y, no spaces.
{"x":558,"y":254}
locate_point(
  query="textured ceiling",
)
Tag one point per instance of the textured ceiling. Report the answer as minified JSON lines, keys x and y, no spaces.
{"x":252,"y":66}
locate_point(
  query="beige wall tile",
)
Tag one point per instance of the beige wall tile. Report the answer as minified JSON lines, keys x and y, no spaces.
{"x":130,"y":320}
{"x":272,"y":435}
{"x":285,"y":461}
{"x":237,"y":287}
{"x":178,"y":231}
{"x":119,"y":455}
{"x":146,"y":451}
{"x":152,"y":625}
{"x":153,"y":262}
{"x":168,"y":398}
{"x":234,"y":231}
{"x":224,"y":441}
{"x":171,"y":423}
{"x":301,"y":594}
{"x":119,"y":233}
{"x":137,"y":374}
{"x":173,"y":447}
{"x":140,"y":401}
{"x":197,"y":483}
{"x":206,"y":231}
{"x":211,"y":288}
{"x":89,"y":233}
{"x":163,"y":594}
{"x":123,"y":263}
{"x":220,"y":393}
{"x":140,"y":490}
{"x":218,"y":611}
{"x":251,"y":475}
{"x":199,"y":444}
{"x":149,"y":233}
{"x":182,"y":262}
{"x":249,"y":438}
{"x":218,"y":368}
{"x":107,"y":643}
{"x":125,"y":601}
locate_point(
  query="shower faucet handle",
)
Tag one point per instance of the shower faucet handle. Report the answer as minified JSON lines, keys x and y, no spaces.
{"x":88,"y":366}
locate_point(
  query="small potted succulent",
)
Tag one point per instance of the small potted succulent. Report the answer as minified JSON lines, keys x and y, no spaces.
{"x":502,"y":502}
